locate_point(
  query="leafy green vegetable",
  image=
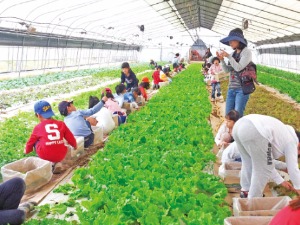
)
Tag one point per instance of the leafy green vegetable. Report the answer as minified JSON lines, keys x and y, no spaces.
{"x":150,"y":171}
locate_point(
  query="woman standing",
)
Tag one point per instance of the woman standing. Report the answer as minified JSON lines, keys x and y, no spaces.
{"x":238,"y":60}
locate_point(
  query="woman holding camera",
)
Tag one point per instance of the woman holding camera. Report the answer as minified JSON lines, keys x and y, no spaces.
{"x":238,"y":60}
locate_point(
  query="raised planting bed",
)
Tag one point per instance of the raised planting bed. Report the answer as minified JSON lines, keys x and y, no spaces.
{"x":151,"y":169}
{"x":16,"y":130}
{"x":265,"y":103}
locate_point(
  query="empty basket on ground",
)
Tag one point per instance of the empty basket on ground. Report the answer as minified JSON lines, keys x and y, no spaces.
{"x":98,"y":134}
{"x":230,"y":174}
{"x":162,"y":84}
{"x":73,"y":154}
{"x":248,"y":220}
{"x":264,"y":206}
{"x":35,"y":171}
{"x":80,"y":143}
{"x":116,"y":119}
{"x":140,"y":100}
{"x":126,"y":105}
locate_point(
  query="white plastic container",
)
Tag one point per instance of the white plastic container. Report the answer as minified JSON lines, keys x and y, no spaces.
{"x":116,"y":120}
{"x":80,"y":145}
{"x":162,"y":84}
{"x":248,"y":220}
{"x":263,"y":206}
{"x":98,"y":134}
{"x":35,"y":171}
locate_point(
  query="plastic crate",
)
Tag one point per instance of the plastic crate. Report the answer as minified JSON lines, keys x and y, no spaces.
{"x":263,"y":206}
{"x":98,"y":134}
{"x":35,"y":171}
{"x":248,"y":220}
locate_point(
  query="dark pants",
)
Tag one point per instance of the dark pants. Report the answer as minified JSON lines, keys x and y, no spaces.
{"x":88,"y":140}
{"x":155,"y":86}
{"x":215,"y":87}
{"x":11,"y":193}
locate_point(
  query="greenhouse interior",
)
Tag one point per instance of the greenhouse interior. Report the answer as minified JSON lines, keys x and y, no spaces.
{"x":145,"y":112}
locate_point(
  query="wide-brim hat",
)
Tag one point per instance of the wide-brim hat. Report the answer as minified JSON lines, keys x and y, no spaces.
{"x":234,"y":36}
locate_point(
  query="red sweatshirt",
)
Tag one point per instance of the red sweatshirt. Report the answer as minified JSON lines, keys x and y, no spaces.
{"x":156,"y":77}
{"x":286,"y":216}
{"x":48,"y":138}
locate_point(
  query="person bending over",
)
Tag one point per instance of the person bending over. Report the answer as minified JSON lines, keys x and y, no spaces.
{"x":260,"y":140}
{"x":144,"y":85}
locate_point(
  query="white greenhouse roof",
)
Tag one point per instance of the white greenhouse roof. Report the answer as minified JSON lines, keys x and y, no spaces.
{"x":269,"y":21}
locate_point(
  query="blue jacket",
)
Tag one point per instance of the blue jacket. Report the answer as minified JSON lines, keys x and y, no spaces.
{"x":77,"y":124}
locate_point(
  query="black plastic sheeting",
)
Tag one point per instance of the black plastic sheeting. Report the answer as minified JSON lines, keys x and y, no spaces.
{"x":287,"y":50}
{"x":44,"y":40}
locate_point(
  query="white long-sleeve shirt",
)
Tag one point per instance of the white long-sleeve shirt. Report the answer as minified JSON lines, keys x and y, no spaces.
{"x":222,"y":130}
{"x":284,"y":142}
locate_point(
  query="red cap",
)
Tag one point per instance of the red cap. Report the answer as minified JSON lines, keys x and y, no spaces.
{"x":146,"y":80}
{"x":107,"y":90}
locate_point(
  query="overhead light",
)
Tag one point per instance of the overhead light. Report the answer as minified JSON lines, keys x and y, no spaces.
{"x":245,"y":24}
{"x":142,"y":28}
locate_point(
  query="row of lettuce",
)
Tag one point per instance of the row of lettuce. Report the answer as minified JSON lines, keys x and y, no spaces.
{"x":151,"y":169}
{"x":16,"y":130}
{"x":21,"y":96}
{"x":285,"y":82}
{"x":60,"y":76}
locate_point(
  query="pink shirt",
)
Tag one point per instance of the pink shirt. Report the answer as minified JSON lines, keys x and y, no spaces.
{"x":215,"y":69}
{"x":112,"y":105}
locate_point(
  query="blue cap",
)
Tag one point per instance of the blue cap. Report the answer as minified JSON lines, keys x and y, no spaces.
{"x":43,"y":108}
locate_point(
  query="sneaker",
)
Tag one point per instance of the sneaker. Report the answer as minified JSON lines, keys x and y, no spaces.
{"x":27,"y":207}
{"x":57,"y":168}
{"x":244,"y":194}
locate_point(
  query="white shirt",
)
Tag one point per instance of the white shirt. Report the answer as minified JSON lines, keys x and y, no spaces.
{"x":222,"y":130}
{"x":284,"y":143}
{"x":119,"y":99}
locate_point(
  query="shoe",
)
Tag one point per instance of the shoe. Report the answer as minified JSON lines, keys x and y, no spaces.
{"x":212,"y":99}
{"x":27,"y":207}
{"x":244,"y":194}
{"x":57,"y":168}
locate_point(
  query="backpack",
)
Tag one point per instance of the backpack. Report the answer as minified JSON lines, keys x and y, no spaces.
{"x":248,"y":77}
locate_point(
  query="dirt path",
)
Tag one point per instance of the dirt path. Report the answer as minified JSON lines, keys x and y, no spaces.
{"x":217,"y":117}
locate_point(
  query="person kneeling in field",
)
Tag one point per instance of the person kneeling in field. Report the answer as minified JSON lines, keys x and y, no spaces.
{"x":113,"y":105}
{"x":143,"y":86}
{"x":48,"y":136}
{"x":75,"y":119}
